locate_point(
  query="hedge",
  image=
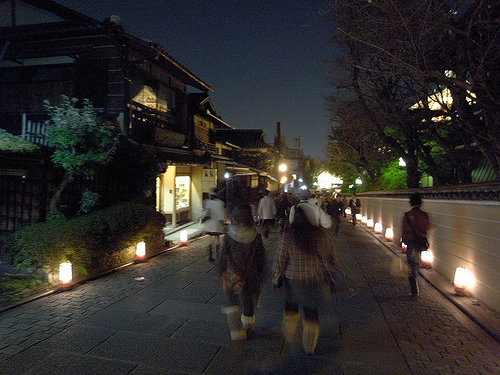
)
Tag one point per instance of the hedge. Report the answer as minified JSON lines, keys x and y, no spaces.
{"x":88,"y":241}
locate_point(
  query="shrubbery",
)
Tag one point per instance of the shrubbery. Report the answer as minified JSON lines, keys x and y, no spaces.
{"x":87,"y":241}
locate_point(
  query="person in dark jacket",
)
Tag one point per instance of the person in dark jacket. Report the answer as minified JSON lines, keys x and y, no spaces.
{"x":415,"y":225}
{"x":243,"y":251}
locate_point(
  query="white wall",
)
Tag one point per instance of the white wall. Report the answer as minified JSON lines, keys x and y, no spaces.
{"x":464,"y":233}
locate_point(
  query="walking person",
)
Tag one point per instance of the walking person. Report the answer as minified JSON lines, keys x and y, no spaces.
{"x":299,"y":265}
{"x":214,"y":222}
{"x":267,"y":212}
{"x":316,"y":215}
{"x":242,"y":252}
{"x":415,"y":225}
{"x":335,"y":208}
{"x":354,"y":204}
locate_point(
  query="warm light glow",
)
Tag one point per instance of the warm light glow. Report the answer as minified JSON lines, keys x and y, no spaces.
{"x":183,"y":237}
{"x":426,"y":258}
{"x":389,"y":234}
{"x":283,"y":180}
{"x":227,"y":175}
{"x":462,"y":280}
{"x":358,"y":217}
{"x":283,"y":168}
{"x":369,"y":223}
{"x":348,"y":210}
{"x":364,"y":219}
{"x":327,"y":180}
{"x":140,"y":251}
{"x":65,"y":274}
{"x":404,"y":247}
{"x":378,"y":228}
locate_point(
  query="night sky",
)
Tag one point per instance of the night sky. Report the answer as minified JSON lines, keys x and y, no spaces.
{"x":265,"y":60}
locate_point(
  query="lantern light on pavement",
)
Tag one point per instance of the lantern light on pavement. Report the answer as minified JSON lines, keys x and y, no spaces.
{"x":404,"y":247}
{"x":140,"y":251}
{"x":462,"y":280}
{"x":183,"y":237}
{"x":426,"y":258}
{"x":65,"y":275}
{"x":378,"y":227}
{"x":389,"y":234}
{"x":369,"y":223}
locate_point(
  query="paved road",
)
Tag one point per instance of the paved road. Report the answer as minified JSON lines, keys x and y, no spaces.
{"x":163,"y":317}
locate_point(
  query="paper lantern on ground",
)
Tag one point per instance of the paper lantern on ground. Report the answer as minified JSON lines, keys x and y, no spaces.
{"x":364,"y":219}
{"x":358,"y":217}
{"x":426,"y":258}
{"x":404,"y":247}
{"x":378,"y":228}
{"x":140,"y":251}
{"x":183,"y":237}
{"x":461,"y":281}
{"x":65,"y":275}
{"x":389,"y":234}
{"x":348,"y":210}
{"x":369,"y":223}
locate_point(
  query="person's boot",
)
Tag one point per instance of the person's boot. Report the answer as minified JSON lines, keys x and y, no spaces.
{"x":238,"y":334}
{"x":290,"y":325}
{"x":248,"y":322}
{"x":413,"y":288}
{"x":234,"y":322}
{"x":310,"y":336}
{"x":210,"y":257}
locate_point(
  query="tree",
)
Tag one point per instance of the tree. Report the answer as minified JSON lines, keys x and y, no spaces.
{"x":420,"y":50}
{"x":80,"y":142}
{"x":353,"y":147}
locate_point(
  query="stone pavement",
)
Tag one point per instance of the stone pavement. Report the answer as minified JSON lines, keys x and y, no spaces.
{"x":163,"y":317}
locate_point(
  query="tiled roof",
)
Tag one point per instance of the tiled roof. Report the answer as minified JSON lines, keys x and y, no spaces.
{"x":244,"y":138}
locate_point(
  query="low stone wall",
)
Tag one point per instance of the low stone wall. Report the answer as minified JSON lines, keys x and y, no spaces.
{"x":465,"y":231}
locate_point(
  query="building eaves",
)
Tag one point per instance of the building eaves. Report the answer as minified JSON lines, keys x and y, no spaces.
{"x":244,"y":138}
{"x":74,"y":20}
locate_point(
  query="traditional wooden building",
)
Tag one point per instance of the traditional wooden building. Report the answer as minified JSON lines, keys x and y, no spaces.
{"x":48,"y":50}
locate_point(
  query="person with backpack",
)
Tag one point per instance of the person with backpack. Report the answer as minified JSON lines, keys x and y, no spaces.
{"x":415,"y":225}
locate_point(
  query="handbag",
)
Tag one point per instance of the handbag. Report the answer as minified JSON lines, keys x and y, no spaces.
{"x":232,"y":278}
{"x":232,"y":281}
{"x":279,"y":282}
{"x":334,"y":276}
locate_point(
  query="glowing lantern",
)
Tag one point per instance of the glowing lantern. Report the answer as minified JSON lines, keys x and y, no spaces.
{"x":65,"y":275}
{"x":462,"y":280}
{"x":140,"y":251}
{"x":389,"y":234}
{"x":369,"y":223}
{"x":378,"y":228}
{"x":358,"y":217}
{"x":426,"y":258}
{"x":404,"y":247}
{"x":183,"y":237}
{"x":348,"y":210}
{"x":364,"y":219}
